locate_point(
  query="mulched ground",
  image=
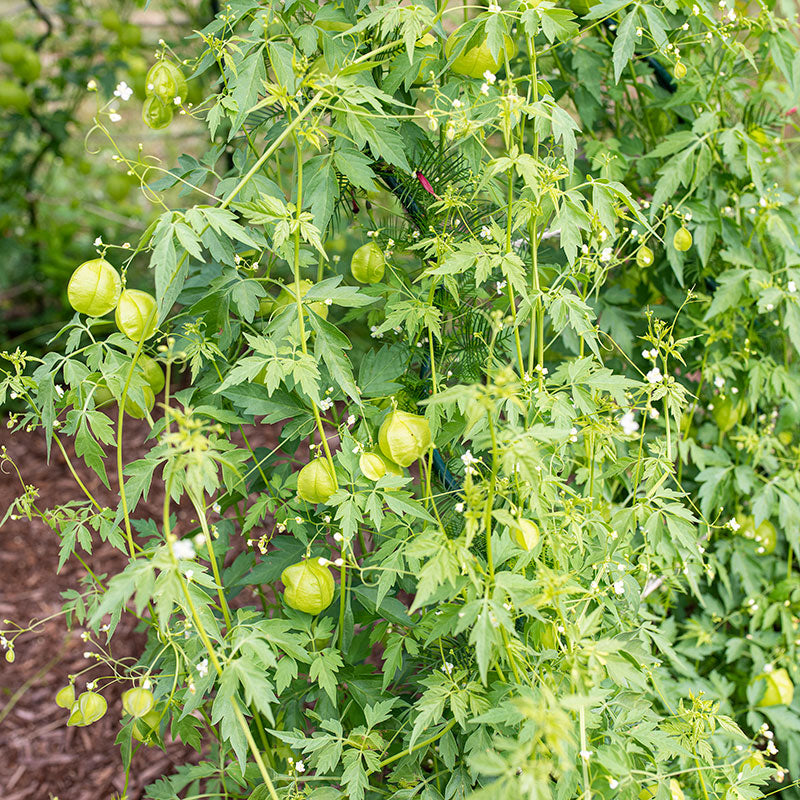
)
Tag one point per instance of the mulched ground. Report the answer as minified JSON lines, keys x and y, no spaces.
{"x":42,"y":759}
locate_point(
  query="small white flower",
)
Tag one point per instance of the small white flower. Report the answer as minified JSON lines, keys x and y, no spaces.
{"x":351,"y":420}
{"x":619,"y":587}
{"x":325,"y":404}
{"x":484,"y":89}
{"x":114,"y":117}
{"x":177,"y":100}
{"x":459,"y":507}
{"x":90,"y":685}
{"x":98,"y":241}
{"x":654,"y":413}
{"x":447,"y":668}
{"x":468,"y":458}
{"x":123,"y":91}
{"x":613,"y":783}
{"x":719,"y":381}
{"x":696,"y":10}
{"x":323,"y":562}
{"x":184,"y":549}
{"x":59,"y":390}
{"x":489,"y":77}
{"x":202,"y":668}
{"x":791,"y":286}
{"x":216,"y":508}
{"x":485,"y":232}
{"x":654,"y":376}
{"x":494,"y":8}
{"x":375,"y":333}
{"x":500,"y":285}
{"x":628,"y":423}
{"x":585,"y":754}
{"x":605,"y":254}
{"x":733,"y":524}
{"x":457,"y":103}
{"x":92,"y":85}
{"x":339,"y":562}
{"x":300,"y":766}
{"x":337,"y":537}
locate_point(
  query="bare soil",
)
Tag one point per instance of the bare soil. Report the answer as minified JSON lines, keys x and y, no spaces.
{"x":41,"y":758}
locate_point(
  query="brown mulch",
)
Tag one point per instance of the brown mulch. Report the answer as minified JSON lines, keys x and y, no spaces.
{"x":41,"y":757}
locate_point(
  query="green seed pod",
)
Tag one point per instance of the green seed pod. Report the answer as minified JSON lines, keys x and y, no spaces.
{"x":13,"y":52}
{"x":372,"y":465}
{"x":375,"y":466}
{"x":316,"y":482}
{"x":682,"y":240}
{"x":13,"y":96}
{"x":129,"y":35}
{"x":65,"y":698}
{"x":110,"y":20}
{"x":474,"y":61}
{"x":309,"y":586}
{"x":156,"y":113}
{"x":94,"y":288}
{"x":135,"y":410}
{"x":644,"y":256}
{"x":166,"y":81}
{"x":138,"y":701}
{"x":368,"y":263}
{"x":145,"y":729}
{"x":779,"y":689}
{"x":403,"y":437}
{"x":288,"y":296}
{"x":136,"y":315}
{"x":526,"y":534}
{"x":153,"y":373}
{"x":88,"y":708}
{"x":766,"y":538}
{"x":29,"y":68}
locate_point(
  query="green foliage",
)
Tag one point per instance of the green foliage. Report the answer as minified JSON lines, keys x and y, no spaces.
{"x":641,"y":413}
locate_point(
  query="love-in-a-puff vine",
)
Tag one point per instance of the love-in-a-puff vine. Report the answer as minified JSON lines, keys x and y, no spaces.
{"x":513,"y":288}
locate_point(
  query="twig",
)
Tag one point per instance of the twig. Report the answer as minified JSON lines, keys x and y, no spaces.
{"x":40,"y":12}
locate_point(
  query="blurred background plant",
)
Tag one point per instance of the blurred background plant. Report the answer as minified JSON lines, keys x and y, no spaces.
{"x":58,"y":197}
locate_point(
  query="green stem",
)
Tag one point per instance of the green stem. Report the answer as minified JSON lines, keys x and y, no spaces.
{"x":418,"y":745}
{"x":212,"y":655}
{"x":120,"y":420}
{"x":200,"y":510}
